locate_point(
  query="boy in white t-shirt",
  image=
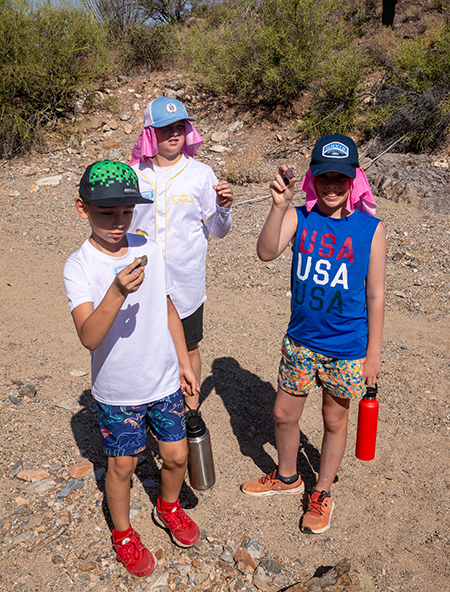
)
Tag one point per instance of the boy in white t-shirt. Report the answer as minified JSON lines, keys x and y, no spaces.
{"x":119,"y":294}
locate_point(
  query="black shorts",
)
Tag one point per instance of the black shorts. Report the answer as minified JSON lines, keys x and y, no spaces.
{"x":193,"y":327}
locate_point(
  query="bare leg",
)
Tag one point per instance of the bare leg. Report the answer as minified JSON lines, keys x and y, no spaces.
{"x":174,"y":457}
{"x":117,"y":486}
{"x":335,"y":419}
{"x":286,"y":413}
{"x":194,"y":356}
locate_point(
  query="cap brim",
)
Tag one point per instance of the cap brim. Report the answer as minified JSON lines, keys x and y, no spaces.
{"x":170,"y":120}
{"x":333,"y":167}
{"x":112,"y":202}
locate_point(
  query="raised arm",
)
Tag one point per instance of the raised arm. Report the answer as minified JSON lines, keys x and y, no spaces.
{"x":93,"y":324}
{"x":375,"y":305}
{"x":220,"y":223}
{"x":281,"y":223}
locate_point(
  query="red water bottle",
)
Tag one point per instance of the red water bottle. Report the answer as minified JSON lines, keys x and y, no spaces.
{"x":366,"y":435}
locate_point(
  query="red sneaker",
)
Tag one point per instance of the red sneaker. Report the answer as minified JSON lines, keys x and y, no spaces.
{"x":136,"y":558}
{"x":182,"y":529}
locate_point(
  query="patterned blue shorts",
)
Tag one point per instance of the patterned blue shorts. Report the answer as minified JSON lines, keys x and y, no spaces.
{"x":123,"y":429}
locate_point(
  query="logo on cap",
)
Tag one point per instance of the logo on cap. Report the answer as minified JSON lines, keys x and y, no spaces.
{"x":335,"y":150}
{"x":171,"y":108}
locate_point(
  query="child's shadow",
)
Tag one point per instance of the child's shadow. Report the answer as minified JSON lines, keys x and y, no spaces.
{"x":249,"y":402}
{"x":86,"y":432}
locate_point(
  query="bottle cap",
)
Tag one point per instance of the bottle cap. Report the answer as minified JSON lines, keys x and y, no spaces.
{"x":195,"y":426}
{"x":371,"y":391}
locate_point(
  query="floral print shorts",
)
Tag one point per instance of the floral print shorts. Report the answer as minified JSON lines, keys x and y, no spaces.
{"x":302,"y":369}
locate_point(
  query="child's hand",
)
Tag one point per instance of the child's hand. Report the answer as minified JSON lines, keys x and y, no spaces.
{"x":282,"y":194}
{"x":129,"y":279}
{"x":188,"y":382}
{"x":372,"y":369}
{"x":224,"y":194}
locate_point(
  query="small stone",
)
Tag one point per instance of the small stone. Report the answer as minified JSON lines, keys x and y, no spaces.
{"x":128,"y":128}
{"x":57,"y":559}
{"x":113,"y":124}
{"x":136,"y":107}
{"x":270,"y":566}
{"x":125,"y":116}
{"x":68,"y":404}
{"x":227,"y":557}
{"x":261,"y":581}
{"x":71,"y":486}
{"x":400,"y":294}
{"x":41,"y":486}
{"x":32,"y":475}
{"x":28,"y":390}
{"x":78,"y":373}
{"x":219,"y":137}
{"x":236,"y":126}
{"x":81,"y":469}
{"x":114,"y":154}
{"x":244,"y":557}
{"x":89,"y":566}
{"x":14,"y":400}
{"x":49,"y":181}
{"x":253,"y":547}
{"x":111,"y":144}
{"x":161,"y":582}
{"x":219,"y":149}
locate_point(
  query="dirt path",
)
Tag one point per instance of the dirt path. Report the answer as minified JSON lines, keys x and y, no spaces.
{"x":392,"y":514}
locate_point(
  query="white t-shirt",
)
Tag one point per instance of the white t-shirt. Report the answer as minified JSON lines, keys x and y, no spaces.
{"x":136,"y":363}
{"x":180,"y":220}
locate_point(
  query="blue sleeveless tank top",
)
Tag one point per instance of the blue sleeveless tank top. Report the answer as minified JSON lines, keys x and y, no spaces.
{"x":329,"y":269}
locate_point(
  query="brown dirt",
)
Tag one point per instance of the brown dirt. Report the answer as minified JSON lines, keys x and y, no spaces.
{"x":392,"y":514}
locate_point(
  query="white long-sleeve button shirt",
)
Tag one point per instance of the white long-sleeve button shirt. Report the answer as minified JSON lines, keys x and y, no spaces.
{"x":184,"y":213}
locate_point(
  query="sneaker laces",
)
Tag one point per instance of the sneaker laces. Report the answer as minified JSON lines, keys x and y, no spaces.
{"x":268,"y":477}
{"x":315,"y":505}
{"x":176,"y":517}
{"x":131,"y":547}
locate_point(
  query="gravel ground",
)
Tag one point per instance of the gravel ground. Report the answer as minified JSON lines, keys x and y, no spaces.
{"x":392,"y":514}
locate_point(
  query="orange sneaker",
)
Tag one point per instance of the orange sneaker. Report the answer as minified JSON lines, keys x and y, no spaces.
{"x":270,"y":485}
{"x":318,"y":515}
{"x":136,"y":558}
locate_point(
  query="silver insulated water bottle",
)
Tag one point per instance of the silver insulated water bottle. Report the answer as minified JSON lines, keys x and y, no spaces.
{"x":200,"y":459}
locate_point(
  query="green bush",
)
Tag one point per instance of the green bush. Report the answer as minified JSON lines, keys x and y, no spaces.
{"x":151,"y":47}
{"x":334,"y":107}
{"x":267,"y":49}
{"x":413,"y":101}
{"x":48,"y":52}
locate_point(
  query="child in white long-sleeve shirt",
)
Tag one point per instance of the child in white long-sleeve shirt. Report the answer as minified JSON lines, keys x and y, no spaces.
{"x":188,"y":204}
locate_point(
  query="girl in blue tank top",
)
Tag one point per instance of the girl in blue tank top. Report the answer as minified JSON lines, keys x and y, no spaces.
{"x":337,"y":310}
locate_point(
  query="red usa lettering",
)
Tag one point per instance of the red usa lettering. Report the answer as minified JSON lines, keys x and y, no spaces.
{"x":326,"y":246}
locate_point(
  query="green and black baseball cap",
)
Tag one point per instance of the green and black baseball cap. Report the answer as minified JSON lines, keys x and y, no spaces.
{"x":110,"y":183}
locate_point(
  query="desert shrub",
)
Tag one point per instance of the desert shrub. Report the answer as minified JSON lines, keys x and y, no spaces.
{"x":151,"y":47}
{"x":119,"y":16}
{"x":48,"y":52}
{"x":245,"y":166}
{"x":267,"y":49}
{"x":413,"y":101}
{"x":335,"y":104}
